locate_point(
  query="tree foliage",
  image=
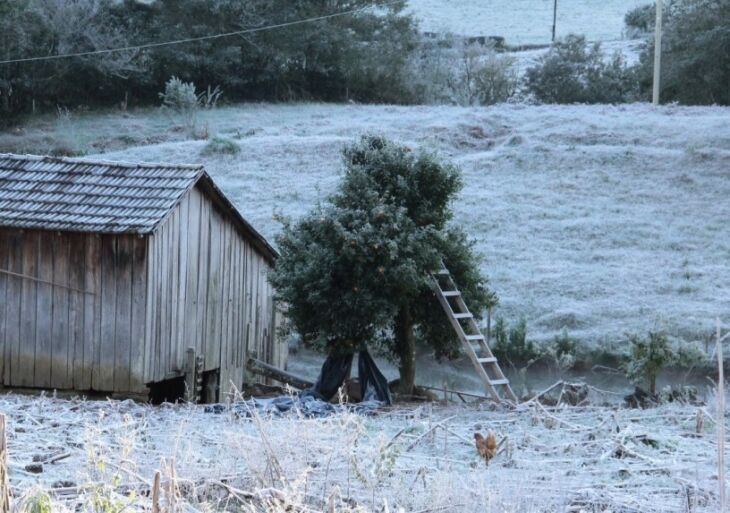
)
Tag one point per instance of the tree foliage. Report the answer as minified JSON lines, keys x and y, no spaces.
{"x":695,"y":53}
{"x":360,"y":56}
{"x":573,"y":71}
{"x":648,"y":356}
{"x":356,"y":270}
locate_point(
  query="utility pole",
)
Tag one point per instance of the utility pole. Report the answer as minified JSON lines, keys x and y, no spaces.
{"x":555,"y":16}
{"x":657,"y":53}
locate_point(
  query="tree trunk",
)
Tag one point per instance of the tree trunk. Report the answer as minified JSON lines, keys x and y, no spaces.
{"x":652,"y":384}
{"x":405,"y":342}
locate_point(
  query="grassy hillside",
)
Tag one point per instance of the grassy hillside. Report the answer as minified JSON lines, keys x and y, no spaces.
{"x":525,"y":21}
{"x":595,"y":219}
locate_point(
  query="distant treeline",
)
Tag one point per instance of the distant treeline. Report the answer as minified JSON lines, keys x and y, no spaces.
{"x":358,"y":56}
{"x":373,"y":55}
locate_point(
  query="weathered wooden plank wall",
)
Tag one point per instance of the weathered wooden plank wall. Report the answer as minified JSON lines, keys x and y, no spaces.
{"x":52,"y":335}
{"x":208,"y":291}
{"x":195,"y":282}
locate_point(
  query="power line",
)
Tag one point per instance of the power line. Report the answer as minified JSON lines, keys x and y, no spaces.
{"x":195,"y":39}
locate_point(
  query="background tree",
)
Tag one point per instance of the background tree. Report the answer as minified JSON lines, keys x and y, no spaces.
{"x":360,"y":56}
{"x":357,"y":270}
{"x":695,"y":53}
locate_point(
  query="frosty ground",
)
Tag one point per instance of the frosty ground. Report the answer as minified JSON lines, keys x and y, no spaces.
{"x":417,"y":457}
{"x":524,"y":21}
{"x":595,"y":219}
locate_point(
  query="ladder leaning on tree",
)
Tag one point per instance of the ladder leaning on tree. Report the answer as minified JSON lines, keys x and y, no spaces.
{"x":472,"y":339}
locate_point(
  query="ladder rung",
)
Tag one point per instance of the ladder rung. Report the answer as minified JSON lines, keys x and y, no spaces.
{"x":450,"y":293}
{"x":475,"y":337}
{"x":443,"y":272}
{"x":488,"y":359}
{"x":466,"y":315}
{"x":504,"y":381}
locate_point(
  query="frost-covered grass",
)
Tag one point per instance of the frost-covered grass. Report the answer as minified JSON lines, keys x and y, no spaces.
{"x":525,"y":21}
{"x":596,"y":219}
{"x":418,"y":458}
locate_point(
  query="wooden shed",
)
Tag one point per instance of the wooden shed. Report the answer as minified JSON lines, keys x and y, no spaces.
{"x":110,"y":272}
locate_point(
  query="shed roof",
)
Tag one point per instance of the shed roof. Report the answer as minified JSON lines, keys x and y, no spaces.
{"x":80,"y":195}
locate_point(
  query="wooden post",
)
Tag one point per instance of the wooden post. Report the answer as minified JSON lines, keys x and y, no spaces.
{"x":555,"y":16}
{"x":4,"y":485}
{"x":156,"y":492}
{"x":191,"y":384}
{"x":657,"y":53}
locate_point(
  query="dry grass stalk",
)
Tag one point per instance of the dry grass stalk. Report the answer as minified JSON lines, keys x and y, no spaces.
{"x":4,"y":484}
{"x":720,"y":419}
{"x":156,"y":493}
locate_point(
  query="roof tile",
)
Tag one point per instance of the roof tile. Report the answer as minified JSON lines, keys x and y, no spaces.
{"x":79,"y":195}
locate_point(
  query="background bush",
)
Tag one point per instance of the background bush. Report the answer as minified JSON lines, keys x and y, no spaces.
{"x":448,"y":70}
{"x":575,"y":72}
{"x":641,"y":19}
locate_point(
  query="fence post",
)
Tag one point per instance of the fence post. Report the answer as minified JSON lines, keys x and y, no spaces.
{"x":657,"y":54}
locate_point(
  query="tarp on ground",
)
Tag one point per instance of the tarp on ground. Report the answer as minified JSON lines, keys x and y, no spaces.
{"x":314,"y":402}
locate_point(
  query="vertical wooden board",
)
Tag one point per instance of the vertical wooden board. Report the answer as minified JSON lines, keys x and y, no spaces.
{"x":237,"y":303}
{"x":92,"y":310}
{"x":224,"y":282}
{"x":173,"y":250}
{"x":13,"y":307}
{"x":160,"y":281}
{"x":250,"y":349}
{"x":212,"y":337}
{"x":44,"y":312}
{"x":4,"y":258}
{"x":124,"y":259}
{"x":139,"y":320}
{"x":204,"y":279}
{"x":103,"y":374}
{"x":182,"y":279}
{"x":223,"y":335}
{"x":152,"y":281}
{"x":61,"y":339}
{"x":76,"y":314}
{"x":171,"y":255}
{"x":257,"y":310}
{"x":192,"y":270}
{"x":28,"y":309}
{"x":163,"y":343}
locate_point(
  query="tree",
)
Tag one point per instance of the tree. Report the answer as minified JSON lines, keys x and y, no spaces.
{"x":648,"y":356}
{"x":695,"y":53}
{"x":573,"y":71}
{"x":356,"y":270}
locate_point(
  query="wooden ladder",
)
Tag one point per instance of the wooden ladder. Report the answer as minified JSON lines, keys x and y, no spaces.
{"x":472,"y":339}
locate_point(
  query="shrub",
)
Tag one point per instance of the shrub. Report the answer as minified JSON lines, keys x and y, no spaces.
{"x":181,"y":99}
{"x":513,"y":346}
{"x":574,"y":72}
{"x":563,"y":350}
{"x":448,"y":71}
{"x":641,"y":19}
{"x":695,"y":57}
{"x":647,"y":357}
{"x":220,"y":146}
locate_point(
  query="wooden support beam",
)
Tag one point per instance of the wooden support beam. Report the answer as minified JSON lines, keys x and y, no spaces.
{"x":269,"y":371}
